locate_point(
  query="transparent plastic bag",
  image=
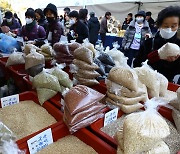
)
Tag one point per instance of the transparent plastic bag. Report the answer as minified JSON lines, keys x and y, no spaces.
{"x":87,"y":74}
{"x":33,"y":59}
{"x":142,"y":130}
{"x":85,"y":66}
{"x":106,"y":59}
{"x":88,"y":45}
{"x":87,"y":82}
{"x":46,"y":80}
{"x":176,"y":117}
{"x":33,"y":71}
{"x":130,"y":108}
{"x":15,"y":58}
{"x":101,"y":69}
{"x":45,"y":94}
{"x":29,"y":47}
{"x":46,"y":48}
{"x":80,"y":97}
{"x":84,"y":54}
{"x":73,"y":46}
{"x":163,"y":84}
{"x":125,"y":77}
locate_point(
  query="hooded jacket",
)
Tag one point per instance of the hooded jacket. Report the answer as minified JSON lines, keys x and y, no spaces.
{"x":149,"y":51}
{"x":94,"y":27}
{"x":15,"y":24}
{"x":130,"y":33}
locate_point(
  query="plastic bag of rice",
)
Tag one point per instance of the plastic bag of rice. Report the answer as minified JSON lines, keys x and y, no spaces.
{"x":125,"y":77}
{"x":149,"y":77}
{"x":168,"y":50}
{"x":73,"y":46}
{"x":63,"y":77}
{"x":106,"y":59}
{"x":85,"y":66}
{"x":176,"y":117}
{"x":143,"y":130}
{"x":87,"y":82}
{"x":163,"y":84}
{"x":45,"y":94}
{"x":87,"y":74}
{"x":84,"y":54}
{"x":130,"y":108}
{"x":46,"y":48}
{"x":46,"y":80}
{"x":101,"y":69}
{"x":28,"y":47}
{"x":15,"y":58}
{"x":33,"y":71}
{"x":33,"y":59}
{"x":88,"y":45}
{"x":176,"y":101}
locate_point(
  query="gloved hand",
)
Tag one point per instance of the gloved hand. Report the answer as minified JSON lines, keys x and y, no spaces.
{"x":169,"y":52}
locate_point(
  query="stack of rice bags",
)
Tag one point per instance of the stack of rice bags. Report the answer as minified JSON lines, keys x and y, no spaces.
{"x":34,"y":62}
{"x":143,"y":132}
{"x":125,"y":90}
{"x":84,"y":68}
{"x":156,"y":83}
{"x":82,"y":107}
{"x":47,"y":51}
{"x":89,"y":45}
{"x":176,"y":111}
{"x":28,"y":47}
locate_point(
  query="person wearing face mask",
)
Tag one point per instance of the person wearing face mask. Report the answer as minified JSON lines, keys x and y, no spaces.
{"x":11,"y":22}
{"x":78,"y":30}
{"x":135,"y":35}
{"x":55,"y":28}
{"x":168,"y":22}
{"x":32,"y":30}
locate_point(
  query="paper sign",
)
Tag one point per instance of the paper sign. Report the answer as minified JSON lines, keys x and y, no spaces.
{"x":40,"y":141}
{"x":110,"y":116}
{"x":10,"y":100}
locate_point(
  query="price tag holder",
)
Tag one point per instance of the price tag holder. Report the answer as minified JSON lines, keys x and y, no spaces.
{"x":40,"y":141}
{"x":110,"y":116}
{"x":9,"y":100}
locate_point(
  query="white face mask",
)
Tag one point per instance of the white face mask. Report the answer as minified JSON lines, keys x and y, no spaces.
{"x":72,"y":22}
{"x":29,"y":21}
{"x":139,"y":19}
{"x":9,"y":20}
{"x":167,"y":33}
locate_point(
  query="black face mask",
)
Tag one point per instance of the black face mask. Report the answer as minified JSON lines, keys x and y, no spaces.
{"x":50,"y":19}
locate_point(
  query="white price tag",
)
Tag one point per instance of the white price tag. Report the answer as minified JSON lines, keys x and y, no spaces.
{"x":40,"y":141}
{"x":110,"y":116}
{"x":10,"y":100}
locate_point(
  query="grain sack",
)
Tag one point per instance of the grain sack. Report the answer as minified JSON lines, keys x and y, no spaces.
{"x":149,"y":77}
{"x":84,"y":54}
{"x":169,"y":50}
{"x":15,"y":58}
{"x":87,"y":74}
{"x":163,"y":84}
{"x":29,"y":47}
{"x":106,"y":59}
{"x":61,"y":48}
{"x":169,"y":96}
{"x":80,"y":97}
{"x":74,"y":119}
{"x":87,"y":82}
{"x":123,"y":91}
{"x":73,"y":46}
{"x":84,"y":123}
{"x":46,"y":80}
{"x":33,"y":71}
{"x":45,"y":94}
{"x":68,"y":145}
{"x":26,"y":118}
{"x":130,"y":108}
{"x":176,"y":101}
{"x":46,"y":48}
{"x":33,"y":59}
{"x":88,"y":45}
{"x":176,"y":117}
{"x":63,"y":77}
{"x":143,"y":130}
{"x":85,"y":66}
{"x":126,"y":100}
{"x":126,"y":77}
{"x":120,"y":140}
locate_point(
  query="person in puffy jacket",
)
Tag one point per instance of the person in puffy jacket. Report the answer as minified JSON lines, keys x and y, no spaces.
{"x":168,"y":22}
{"x":55,"y":28}
{"x":32,"y":31}
{"x":135,"y":35}
{"x":94,"y":27}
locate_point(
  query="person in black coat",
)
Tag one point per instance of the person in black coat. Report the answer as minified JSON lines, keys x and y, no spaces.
{"x":151,"y":22}
{"x":94,"y":27}
{"x":41,"y":18}
{"x":127,"y":21}
{"x":168,"y":22}
{"x":78,"y":30}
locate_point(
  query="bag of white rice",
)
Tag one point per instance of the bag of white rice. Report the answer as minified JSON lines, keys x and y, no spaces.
{"x":87,"y":74}
{"x":176,"y":101}
{"x":176,"y":117}
{"x":168,"y":50}
{"x":15,"y":58}
{"x":90,"y":46}
{"x":45,"y":94}
{"x":46,"y":80}
{"x":163,"y":84}
{"x":142,"y":130}
{"x":130,"y":108}
{"x":46,"y":48}
{"x":125,"y":77}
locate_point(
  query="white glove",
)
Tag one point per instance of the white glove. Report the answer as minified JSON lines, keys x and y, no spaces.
{"x":169,"y":50}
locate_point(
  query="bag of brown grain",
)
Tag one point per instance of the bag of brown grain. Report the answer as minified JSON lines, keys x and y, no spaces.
{"x":87,"y":74}
{"x":90,"y":46}
{"x":28,"y":47}
{"x":15,"y":58}
{"x":33,"y":59}
{"x":87,"y":82}
{"x":143,"y":130}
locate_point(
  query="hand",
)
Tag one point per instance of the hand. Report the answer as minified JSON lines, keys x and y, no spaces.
{"x":25,"y":38}
{"x":172,"y":58}
{"x":5,"y":29}
{"x":147,"y":35}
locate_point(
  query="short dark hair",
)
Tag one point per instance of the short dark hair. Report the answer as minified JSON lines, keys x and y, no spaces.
{"x":67,"y":10}
{"x":74,"y":14}
{"x":30,"y":13}
{"x":130,"y":14}
{"x":107,"y":14}
{"x":148,"y":13}
{"x":171,"y":11}
{"x":40,"y":12}
{"x":83,"y":14}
